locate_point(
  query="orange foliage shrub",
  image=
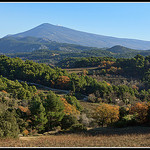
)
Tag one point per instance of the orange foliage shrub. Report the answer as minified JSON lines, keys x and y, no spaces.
{"x":85,"y":72}
{"x":25,"y":132}
{"x":108,"y":83}
{"x":63,"y":81}
{"x":107,"y":63}
{"x":113,"y":69}
{"x":36,"y":93}
{"x":25,"y":109}
{"x":29,"y":120}
{"x":52,"y":83}
{"x":140,"y":109}
{"x":135,"y":87}
{"x":4,"y":91}
{"x":69,"y":109}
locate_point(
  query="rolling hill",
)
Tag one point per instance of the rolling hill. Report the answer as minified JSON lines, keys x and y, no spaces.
{"x":121,"y":49}
{"x":11,"y":44}
{"x":43,"y":48}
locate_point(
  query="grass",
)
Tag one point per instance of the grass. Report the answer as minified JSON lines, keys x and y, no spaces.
{"x":88,"y":107}
{"x":100,"y":137}
{"x":79,"y":70}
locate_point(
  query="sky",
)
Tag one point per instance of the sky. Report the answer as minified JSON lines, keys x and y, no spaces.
{"x":117,"y":19}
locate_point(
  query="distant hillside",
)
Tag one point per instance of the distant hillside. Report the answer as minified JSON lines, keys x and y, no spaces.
{"x":145,"y":53}
{"x":65,"y":35}
{"x":120,"y":49}
{"x":29,"y":44}
{"x":13,"y":45}
{"x":53,"y":57}
{"x":47,"y":51}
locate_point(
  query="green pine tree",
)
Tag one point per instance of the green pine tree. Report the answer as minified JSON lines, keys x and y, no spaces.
{"x":38,"y":114}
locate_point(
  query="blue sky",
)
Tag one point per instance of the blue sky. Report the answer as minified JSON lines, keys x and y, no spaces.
{"x":124,"y":20}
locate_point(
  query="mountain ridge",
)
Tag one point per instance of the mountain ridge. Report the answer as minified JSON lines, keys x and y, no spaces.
{"x":66,"y":35}
{"x":28,"y":44}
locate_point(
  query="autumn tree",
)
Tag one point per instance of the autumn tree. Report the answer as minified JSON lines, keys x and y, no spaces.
{"x":140,"y":110}
{"x":70,"y":109}
{"x":106,"y":114}
{"x":74,"y":102}
{"x":63,"y":81}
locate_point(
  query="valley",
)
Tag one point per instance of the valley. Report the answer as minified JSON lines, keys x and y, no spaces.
{"x":55,"y":89}
{"x":74,"y":75}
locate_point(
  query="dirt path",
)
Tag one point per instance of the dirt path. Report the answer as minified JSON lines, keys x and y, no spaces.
{"x":57,"y":91}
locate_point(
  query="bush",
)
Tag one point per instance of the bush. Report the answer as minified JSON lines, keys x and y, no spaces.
{"x":25,"y":132}
{"x":92,"y":98}
{"x":8,"y":125}
{"x":68,"y":121}
{"x":79,"y":96}
{"x":139,"y":110}
{"x":85,"y":120}
{"x":78,"y":128}
{"x":73,"y":101}
{"x":120,"y":124}
{"x":128,"y":120}
{"x":123,"y":112}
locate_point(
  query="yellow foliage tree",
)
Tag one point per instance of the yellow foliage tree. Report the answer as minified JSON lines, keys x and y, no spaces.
{"x":4,"y":91}
{"x":85,"y":72}
{"x":70,"y":109}
{"x":63,"y":81}
{"x":25,"y":110}
{"x":106,"y":114}
{"x":25,"y":132}
{"x":140,"y":110}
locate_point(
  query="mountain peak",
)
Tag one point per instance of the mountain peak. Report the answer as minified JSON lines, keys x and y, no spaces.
{"x":45,"y":24}
{"x":48,"y":25}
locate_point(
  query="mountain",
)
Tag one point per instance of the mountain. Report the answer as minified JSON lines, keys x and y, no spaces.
{"x":66,"y":35}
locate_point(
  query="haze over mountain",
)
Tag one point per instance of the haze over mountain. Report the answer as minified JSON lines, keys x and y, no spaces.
{"x":66,"y":35}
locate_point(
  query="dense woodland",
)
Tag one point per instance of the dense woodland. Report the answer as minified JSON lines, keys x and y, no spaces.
{"x":57,"y":52}
{"x":136,"y":67}
{"x":26,"y":110}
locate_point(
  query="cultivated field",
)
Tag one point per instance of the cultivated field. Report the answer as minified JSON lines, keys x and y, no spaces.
{"x":100,"y":137}
{"x":79,"y":70}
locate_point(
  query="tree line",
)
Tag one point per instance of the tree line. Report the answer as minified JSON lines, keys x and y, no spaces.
{"x":15,"y":68}
{"x":136,"y":67}
{"x":25,"y":110}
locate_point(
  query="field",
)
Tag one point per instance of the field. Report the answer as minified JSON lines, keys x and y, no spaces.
{"x":100,"y":137}
{"x":79,"y":70}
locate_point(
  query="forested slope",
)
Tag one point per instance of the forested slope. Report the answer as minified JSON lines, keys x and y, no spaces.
{"x":26,"y":110}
